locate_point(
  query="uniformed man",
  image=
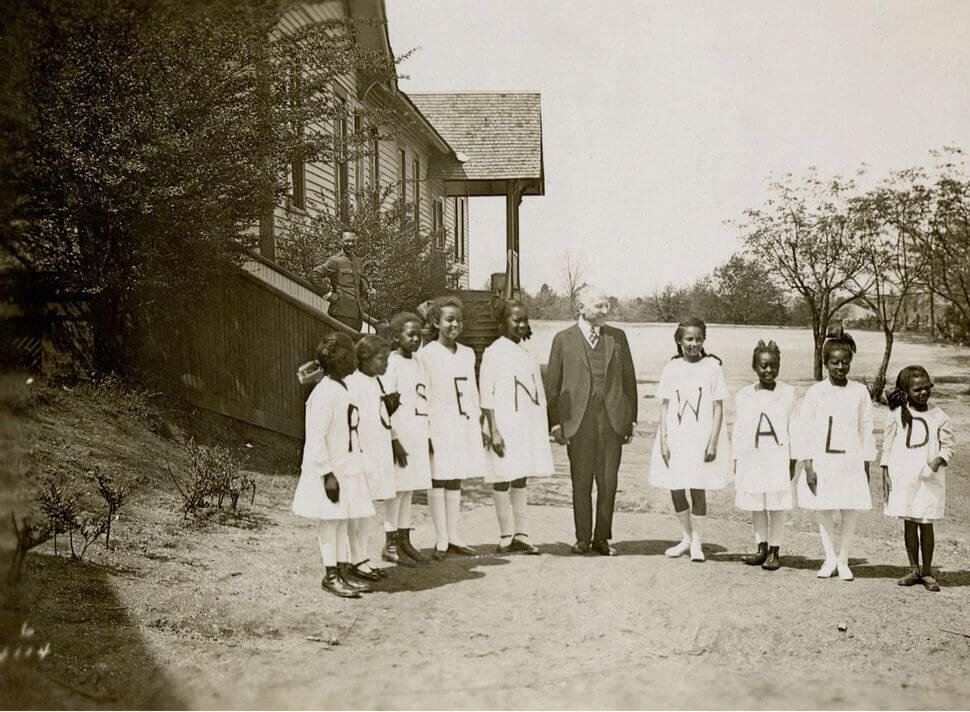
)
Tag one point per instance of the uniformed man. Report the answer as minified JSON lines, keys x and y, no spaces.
{"x":340,"y":280}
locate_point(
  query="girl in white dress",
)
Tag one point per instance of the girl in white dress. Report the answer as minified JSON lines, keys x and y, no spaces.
{"x":917,"y":447}
{"x":761,"y":444}
{"x":333,"y":488}
{"x":691,"y":450}
{"x":834,"y":440}
{"x":514,"y":403}
{"x":368,"y":393}
{"x":454,"y":416}
{"x":410,"y":437}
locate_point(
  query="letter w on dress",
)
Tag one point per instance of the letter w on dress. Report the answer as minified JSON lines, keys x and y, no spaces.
{"x":682,"y":406}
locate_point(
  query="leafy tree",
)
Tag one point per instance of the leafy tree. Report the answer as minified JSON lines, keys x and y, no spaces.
{"x":146,"y":139}
{"x":892,"y":264}
{"x":743,"y":293}
{"x":942,"y":235}
{"x":402,"y":263}
{"x":808,"y":238}
{"x":670,"y":303}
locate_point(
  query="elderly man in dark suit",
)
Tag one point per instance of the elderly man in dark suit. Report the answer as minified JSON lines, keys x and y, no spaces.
{"x":591,"y":389}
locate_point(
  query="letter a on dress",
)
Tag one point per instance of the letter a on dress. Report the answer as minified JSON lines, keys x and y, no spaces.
{"x":770,"y":431}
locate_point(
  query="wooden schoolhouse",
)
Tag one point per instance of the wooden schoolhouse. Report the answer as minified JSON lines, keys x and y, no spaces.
{"x":241,"y":356}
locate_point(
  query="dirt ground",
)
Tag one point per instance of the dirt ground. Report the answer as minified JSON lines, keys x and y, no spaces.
{"x":231,"y":614}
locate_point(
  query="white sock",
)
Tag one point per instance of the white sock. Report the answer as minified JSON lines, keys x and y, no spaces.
{"x":404,"y":510}
{"x":684,"y":544}
{"x":503,"y":512}
{"x":520,"y":504}
{"x":453,"y":514}
{"x":826,"y":529}
{"x":436,"y":503}
{"x":357,"y":534}
{"x":327,"y":538}
{"x":343,"y":542}
{"x":850,"y":518}
{"x":697,"y":534}
{"x":391,"y":507}
{"x":776,"y":528}
{"x":760,"y":522}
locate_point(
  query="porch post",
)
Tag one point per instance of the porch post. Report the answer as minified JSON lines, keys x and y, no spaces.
{"x":512,"y":199}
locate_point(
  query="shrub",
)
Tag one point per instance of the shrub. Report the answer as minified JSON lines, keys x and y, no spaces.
{"x":215,"y":477}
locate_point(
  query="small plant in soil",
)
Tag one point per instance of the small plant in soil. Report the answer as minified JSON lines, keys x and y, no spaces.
{"x":114,"y":496}
{"x":61,"y":510}
{"x":215,"y":479}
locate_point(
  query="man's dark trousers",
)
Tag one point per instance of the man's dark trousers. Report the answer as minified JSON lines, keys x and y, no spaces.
{"x":594,"y":455}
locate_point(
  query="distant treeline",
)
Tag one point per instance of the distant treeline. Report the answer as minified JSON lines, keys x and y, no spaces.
{"x":737,"y":292}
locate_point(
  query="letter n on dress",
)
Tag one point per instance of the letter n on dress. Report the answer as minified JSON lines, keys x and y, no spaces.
{"x":533,"y":396}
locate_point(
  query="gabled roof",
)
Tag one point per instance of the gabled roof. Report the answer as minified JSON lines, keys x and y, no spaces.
{"x":499,"y":132}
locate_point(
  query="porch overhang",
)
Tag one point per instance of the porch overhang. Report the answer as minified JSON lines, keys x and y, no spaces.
{"x":497,"y":142}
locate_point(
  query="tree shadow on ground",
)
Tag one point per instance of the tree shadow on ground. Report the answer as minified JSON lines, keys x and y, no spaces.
{"x":86,"y":650}
{"x":453,"y":569}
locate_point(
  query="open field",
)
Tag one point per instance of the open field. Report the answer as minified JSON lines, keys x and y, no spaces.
{"x":231,"y":614}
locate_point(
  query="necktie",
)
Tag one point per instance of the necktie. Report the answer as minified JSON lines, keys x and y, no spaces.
{"x":593,"y":337}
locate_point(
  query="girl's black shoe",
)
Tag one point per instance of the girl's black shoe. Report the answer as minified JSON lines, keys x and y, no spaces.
{"x":346,"y":573}
{"x":334,"y":584}
{"x":759,"y":558}
{"x":772,"y":563}
{"x":364,"y":575}
{"x":404,"y":547}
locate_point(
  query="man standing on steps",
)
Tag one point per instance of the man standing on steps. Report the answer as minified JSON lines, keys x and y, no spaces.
{"x":591,"y":389}
{"x":340,"y":278}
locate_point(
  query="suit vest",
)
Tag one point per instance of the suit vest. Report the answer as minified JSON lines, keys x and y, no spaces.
{"x":597,"y":365}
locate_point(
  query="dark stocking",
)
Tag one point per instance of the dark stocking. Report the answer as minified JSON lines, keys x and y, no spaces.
{"x":927,"y":541}
{"x":911,"y":537}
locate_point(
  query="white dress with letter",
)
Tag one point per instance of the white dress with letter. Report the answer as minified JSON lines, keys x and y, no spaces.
{"x":332,"y":446}
{"x":834,"y":429}
{"x":761,"y":444}
{"x":511,"y":386}
{"x":409,"y":423}
{"x":917,"y":493}
{"x":375,"y":433}
{"x":691,"y":389}
{"x":454,"y":413}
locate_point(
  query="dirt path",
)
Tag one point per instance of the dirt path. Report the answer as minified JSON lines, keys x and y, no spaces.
{"x":180,"y":616}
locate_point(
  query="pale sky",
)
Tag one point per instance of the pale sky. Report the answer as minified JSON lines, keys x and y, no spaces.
{"x":661,"y":120}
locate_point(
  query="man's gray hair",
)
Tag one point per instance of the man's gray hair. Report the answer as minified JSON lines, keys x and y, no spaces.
{"x":588,"y":291}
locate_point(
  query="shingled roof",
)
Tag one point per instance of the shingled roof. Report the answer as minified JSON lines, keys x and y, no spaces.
{"x":500,"y":133}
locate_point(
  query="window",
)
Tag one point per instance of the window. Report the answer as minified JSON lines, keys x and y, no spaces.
{"x":297,"y":165}
{"x":359,"y":164}
{"x":438,"y":223}
{"x":375,"y":160}
{"x":416,"y":191}
{"x":402,"y":177}
{"x":340,"y":155}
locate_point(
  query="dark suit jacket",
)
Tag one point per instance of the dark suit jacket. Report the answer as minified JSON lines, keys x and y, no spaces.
{"x":568,"y":380}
